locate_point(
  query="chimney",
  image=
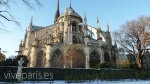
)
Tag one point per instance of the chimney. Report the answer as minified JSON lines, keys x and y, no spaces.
{"x":0,"y":50}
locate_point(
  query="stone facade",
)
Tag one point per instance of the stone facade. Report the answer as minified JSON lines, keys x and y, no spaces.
{"x":43,"y":44}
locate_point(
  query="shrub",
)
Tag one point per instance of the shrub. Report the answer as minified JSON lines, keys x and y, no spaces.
{"x":106,"y":65}
{"x":128,"y":66}
{"x":14,"y":61}
{"x":133,"y":66}
{"x":124,"y":66}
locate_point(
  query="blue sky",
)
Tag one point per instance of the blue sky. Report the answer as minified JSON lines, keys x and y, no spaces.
{"x":116,"y":12}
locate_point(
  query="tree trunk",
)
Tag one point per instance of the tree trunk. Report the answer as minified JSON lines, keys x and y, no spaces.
{"x":139,"y":62}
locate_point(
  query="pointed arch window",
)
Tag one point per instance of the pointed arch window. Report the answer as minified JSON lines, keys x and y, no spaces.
{"x":74,"y":40}
{"x":40,"y":59}
{"x":106,"y":57}
{"x":80,"y":28}
{"x":57,"y":59}
{"x":74,"y":26}
{"x":94,"y":59}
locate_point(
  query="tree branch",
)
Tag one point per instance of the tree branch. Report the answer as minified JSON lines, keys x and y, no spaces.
{"x":6,"y":15}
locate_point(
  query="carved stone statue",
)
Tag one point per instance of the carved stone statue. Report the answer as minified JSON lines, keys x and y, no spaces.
{"x":19,"y":71}
{"x":21,"y":61}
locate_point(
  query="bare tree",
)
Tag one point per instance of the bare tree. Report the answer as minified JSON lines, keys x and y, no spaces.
{"x":134,"y":37}
{"x":57,"y":59}
{"x":74,"y":57}
{"x":6,"y":15}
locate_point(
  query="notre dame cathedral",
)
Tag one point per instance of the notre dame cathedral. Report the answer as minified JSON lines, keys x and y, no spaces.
{"x":44,"y":45}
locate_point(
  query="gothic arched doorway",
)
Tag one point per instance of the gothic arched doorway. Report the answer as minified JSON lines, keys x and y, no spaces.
{"x":106,"y":57}
{"x":74,"y":57}
{"x":94,"y":59}
{"x":57,"y":59}
{"x":40,"y":59}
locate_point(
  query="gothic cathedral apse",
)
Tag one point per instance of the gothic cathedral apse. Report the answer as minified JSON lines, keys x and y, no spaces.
{"x":68,"y":43}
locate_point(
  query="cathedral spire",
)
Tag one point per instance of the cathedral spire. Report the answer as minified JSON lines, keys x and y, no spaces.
{"x":30,"y":26}
{"x":57,"y":14}
{"x":70,"y":3}
{"x":31,"y":20}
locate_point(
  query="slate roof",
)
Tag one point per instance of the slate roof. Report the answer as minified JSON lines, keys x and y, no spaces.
{"x":34,"y":28}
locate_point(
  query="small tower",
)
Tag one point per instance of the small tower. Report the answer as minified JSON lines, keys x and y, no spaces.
{"x":108,"y":36}
{"x":98,"y":29}
{"x":86,"y":36}
{"x":29,"y":30}
{"x":35,"y":42}
{"x":34,"y":51}
{"x":98,"y":23}
{"x":66,"y":15}
{"x":107,"y":27}
{"x":30,"y":26}
{"x":57,"y":14}
{"x":70,"y":3}
{"x":115,"y":46}
{"x":85,"y":26}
